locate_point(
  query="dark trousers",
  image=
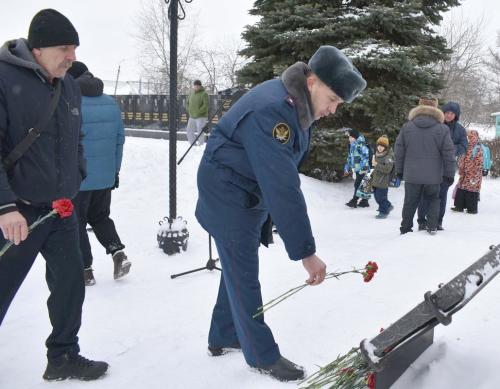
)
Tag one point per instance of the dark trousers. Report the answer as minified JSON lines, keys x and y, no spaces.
{"x":238,"y":300}
{"x":413,"y":194}
{"x":465,"y":199}
{"x":423,"y":206}
{"x":57,"y":240}
{"x":380,"y":195}
{"x":357,"y":183}
{"x":93,"y":208}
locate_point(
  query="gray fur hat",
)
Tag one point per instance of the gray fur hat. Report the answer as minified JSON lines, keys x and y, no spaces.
{"x":337,"y":72}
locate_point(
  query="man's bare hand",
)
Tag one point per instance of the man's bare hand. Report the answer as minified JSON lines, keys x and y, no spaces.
{"x":316,"y":269}
{"x":14,"y":227}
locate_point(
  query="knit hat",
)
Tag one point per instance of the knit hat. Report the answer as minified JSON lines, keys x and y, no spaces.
{"x":354,"y":133}
{"x":77,"y":69}
{"x":51,"y":28}
{"x":337,"y":72}
{"x":383,"y":141}
{"x":430,"y":101}
{"x":197,"y":82}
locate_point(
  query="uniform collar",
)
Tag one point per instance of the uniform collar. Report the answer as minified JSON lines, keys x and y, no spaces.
{"x":294,"y":79}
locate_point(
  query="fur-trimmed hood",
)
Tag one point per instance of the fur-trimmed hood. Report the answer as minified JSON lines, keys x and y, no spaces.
{"x":426,"y":110}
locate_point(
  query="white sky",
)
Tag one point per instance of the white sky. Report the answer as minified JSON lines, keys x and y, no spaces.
{"x":106,"y":26}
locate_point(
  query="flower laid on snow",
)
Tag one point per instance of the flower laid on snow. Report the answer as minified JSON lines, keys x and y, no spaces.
{"x":349,"y":371}
{"x":61,"y":207}
{"x":367,"y":272}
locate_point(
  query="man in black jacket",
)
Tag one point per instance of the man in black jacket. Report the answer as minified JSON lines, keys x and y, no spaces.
{"x":51,"y":168}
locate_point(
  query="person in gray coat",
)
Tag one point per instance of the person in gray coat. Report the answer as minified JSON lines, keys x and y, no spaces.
{"x":425,"y":157}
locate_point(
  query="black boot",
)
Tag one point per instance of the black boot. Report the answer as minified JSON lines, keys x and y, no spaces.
{"x":74,"y":366}
{"x":353,"y":203}
{"x":363,"y":203}
{"x":218,"y":351}
{"x":405,"y":230}
{"x":121,"y":264}
{"x":422,"y":226}
{"x":284,"y":370}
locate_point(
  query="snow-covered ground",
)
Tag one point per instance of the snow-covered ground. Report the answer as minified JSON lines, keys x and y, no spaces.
{"x":153,"y":330}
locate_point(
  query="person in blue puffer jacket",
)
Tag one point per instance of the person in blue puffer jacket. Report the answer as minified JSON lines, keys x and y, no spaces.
{"x":103,"y":139}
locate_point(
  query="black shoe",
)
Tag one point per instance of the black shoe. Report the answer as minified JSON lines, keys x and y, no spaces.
{"x":218,"y":351}
{"x":432,"y":231}
{"x":472,"y":212}
{"x":74,"y":366}
{"x":284,"y":370}
{"x":121,"y":264}
{"x":456,"y":209}
{"x":405,"y":230}
{"x":88,"y":276}
{"x":363,"y":203}
{"x":353,"y":203}
{"x":422,"y":226}
{"x":440,"y":227}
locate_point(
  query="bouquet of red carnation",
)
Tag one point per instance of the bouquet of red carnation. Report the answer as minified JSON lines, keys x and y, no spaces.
{"x":349,"y":371}
{"x":367,"y":272}
{"x":61,"y":207}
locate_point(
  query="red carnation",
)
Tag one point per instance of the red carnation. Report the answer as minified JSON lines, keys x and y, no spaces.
{"x":370,"y":270}
{"x":371,"y":381}
{"x":63,"y":207}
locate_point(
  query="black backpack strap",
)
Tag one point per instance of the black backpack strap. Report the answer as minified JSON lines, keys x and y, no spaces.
{"x":34,"y":132}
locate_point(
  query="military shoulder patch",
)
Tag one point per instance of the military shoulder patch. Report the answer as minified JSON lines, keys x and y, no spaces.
{"x":281,"y":132}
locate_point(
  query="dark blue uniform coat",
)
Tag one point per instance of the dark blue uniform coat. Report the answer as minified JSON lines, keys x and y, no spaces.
{"x":249,"y":171}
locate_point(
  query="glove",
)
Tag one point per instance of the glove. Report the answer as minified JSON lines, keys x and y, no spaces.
{"x":117,"y":181}
{"x":448,"y":180}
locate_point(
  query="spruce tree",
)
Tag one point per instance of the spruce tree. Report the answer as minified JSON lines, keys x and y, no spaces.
{"x":392,"y":43}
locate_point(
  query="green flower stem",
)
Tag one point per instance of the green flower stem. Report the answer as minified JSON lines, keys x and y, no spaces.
{"x":292,"y":291}
{"x":40,"y":220}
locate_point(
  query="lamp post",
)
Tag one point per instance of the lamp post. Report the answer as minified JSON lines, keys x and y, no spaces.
{"x":175,"y":236}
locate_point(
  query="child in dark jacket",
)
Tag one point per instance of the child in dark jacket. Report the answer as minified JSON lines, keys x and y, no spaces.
{"x":383,"y":163}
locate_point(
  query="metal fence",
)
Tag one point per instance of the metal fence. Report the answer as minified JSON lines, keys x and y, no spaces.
{"x":151,"y":111}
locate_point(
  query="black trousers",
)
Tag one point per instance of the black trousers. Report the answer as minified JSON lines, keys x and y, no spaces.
{"x":57,"y":240}
{"x":357,"y":183}
{"x":424,"y":205}
{"x":413,"y":193}
{"x":93,"y":208}
{"x":465,"y":199}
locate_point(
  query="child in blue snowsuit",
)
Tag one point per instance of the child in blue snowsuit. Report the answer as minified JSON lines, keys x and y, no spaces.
{"x":358,"y":160}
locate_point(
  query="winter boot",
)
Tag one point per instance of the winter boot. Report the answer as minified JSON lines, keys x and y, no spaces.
{"x":363,"y":203}
{"x":405,"y":230}
{"x":88,"y":276}
{"x":353,"y":203}
{"x":74,"y":366}
{"x":284,"y":370}
{"x":457,"y":209}
{"x":422,"y":226}
{"x":218,"y":351}
{"x":381,"y":216}
{"x":440,"y":227}
{"x":431,"y":231}
{"x":121,"y":264}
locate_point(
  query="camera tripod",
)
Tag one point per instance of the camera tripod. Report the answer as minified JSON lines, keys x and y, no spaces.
{"x":210,"y":263}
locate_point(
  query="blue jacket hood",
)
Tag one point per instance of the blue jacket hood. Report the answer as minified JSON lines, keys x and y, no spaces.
{"x":454,"y":107}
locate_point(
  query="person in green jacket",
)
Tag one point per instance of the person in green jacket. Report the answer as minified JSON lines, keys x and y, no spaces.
{"x":197,"y":109}
{"x":383,"y":163}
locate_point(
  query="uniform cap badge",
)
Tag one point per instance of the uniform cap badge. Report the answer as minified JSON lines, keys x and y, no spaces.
{"x":281,"y":132}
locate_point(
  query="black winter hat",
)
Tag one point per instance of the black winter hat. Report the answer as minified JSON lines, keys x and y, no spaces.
{"x":354,"y":133}
{"x":337,"y":72}
{"x":77,"y":69}
{"x":51,"y":28}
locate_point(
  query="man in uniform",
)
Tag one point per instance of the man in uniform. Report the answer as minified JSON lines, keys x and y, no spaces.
{"x":31,"y":72}
{"x":248,"y":175}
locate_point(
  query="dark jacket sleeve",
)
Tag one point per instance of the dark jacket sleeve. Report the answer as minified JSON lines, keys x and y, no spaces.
{"x":7,"y":196}
{"x":399,"y":151}
{"x":460,"y":141}
{"x":278,"y":178}
{"x":448,"y":153}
